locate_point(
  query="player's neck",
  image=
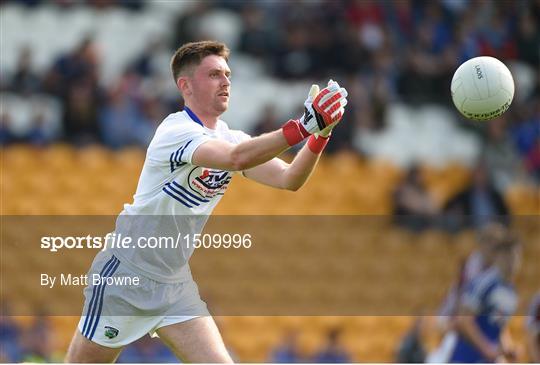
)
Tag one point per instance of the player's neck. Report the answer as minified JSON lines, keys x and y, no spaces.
{"x":199,"y":116}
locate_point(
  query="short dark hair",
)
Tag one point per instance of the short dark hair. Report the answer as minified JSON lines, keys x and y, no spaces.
{"x":192,"y":54}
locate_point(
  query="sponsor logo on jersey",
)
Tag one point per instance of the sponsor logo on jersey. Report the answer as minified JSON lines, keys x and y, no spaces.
{"x":208,"y":182}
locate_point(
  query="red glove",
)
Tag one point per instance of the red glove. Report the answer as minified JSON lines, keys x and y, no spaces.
{"x":322,"y":111}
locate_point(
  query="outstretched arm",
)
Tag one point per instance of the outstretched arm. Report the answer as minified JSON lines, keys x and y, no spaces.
{"x":219,"y":154}
{"x":322,"y":111}
{"x":279,"y":174}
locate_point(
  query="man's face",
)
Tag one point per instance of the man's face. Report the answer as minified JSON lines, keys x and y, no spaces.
{"x":210,"y":85}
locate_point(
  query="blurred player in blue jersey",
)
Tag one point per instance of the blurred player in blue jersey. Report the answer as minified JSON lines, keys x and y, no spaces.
{"x":485,"y":307}
{"x":189,"y":164}
{"x":533,"y":329}
{"x":477,"y":262}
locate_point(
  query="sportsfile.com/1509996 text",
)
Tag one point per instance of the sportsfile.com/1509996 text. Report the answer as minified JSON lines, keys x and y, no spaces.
{"x":118,"y":240}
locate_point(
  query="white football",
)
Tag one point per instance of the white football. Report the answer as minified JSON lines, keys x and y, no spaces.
{"x":482,"y":88}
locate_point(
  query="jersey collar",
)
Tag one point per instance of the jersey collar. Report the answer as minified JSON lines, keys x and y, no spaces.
{"x":193,"y":116}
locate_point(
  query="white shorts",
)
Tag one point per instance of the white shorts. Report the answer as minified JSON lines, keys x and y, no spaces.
{"x":122,"y":306}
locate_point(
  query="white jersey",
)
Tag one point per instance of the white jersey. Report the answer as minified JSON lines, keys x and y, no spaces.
{"x":174,"y":197}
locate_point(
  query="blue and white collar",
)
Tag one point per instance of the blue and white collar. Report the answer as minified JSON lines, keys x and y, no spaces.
{"x":193,"y":117}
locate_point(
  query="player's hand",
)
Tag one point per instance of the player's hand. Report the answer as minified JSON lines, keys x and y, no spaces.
{"x":322,"y":110}
{"x":328,"y":130}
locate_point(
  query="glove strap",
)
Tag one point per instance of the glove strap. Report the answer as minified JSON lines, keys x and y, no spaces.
{"x":294,"y":132}
{"x":317,"y":144}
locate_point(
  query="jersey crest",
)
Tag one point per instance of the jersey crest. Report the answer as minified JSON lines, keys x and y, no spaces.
{"x":208,"y":182}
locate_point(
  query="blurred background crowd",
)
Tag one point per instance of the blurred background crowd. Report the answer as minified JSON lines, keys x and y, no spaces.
{"x":96,"y":72}
{"x":108,"y":80}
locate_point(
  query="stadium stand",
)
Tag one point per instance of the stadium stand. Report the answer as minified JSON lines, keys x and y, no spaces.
{"x":58,"y":190}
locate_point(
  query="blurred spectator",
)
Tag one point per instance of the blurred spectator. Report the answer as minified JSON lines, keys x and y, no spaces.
{"x":411,"y":349}
{"x":25,"y":80}
{"x":360,"y":115}
{"x":502,"y":160}
{"x":430,"y":61}
{"x":413,"y":206}
{"x":332,"y":352}
{"x":528,"y":39}
{"x":147,"y":350}
{"x":268,"y":121}
{"x":526,"y":136}
{"x":29,"y":3}
{"x":400,"y":19}
{"x":287,"y":351}
{"x":135,"y":5}
{"x":347,"y":54}
{"x":532,"y":160}
{"x":533,"y":329}
{"x":153,"y":111}
{"x":477,"y":204}
{"x":39,"y":135}
{"x":293,"y":59}
{"x":494,"y":33}
{"x":185,"y":28}
{"x":144,"y":65}
{"x":361,"y":12}
{"x":80,"y":65}
{"x":120,"y":115}
{"x":6,"y":135}
{"x":467,"y":44}
{"x":380,"y":98}
{"x":335,"y":46}
{"x":74,"y":78}
{"x":81,"y":109}
{"x":255,"y":39}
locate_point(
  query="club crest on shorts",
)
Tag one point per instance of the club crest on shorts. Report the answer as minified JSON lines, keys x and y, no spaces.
{"x":111,"y":332}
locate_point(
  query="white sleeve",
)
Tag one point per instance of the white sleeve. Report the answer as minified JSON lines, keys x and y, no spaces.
{"x":240,"y":136}
{"x":175,"y":145}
